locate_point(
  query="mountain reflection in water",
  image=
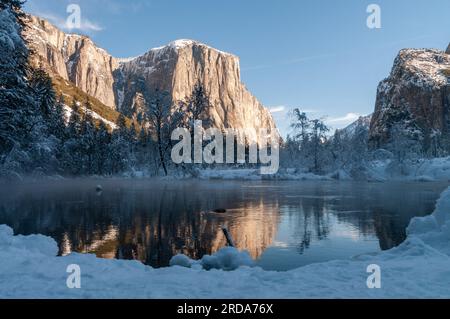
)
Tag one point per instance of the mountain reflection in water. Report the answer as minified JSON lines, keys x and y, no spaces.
{"x":282,"y":224}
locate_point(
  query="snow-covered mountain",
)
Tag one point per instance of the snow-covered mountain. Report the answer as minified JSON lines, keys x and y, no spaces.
{"x":416,"y":95}
{"x":361,"y":122}
{"x":175,"y":68}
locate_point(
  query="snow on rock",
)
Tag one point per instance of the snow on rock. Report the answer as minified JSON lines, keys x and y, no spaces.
{"x":413,"y":96}
{"x":180,"y":260}
{"x":227,"y":258}
{"x":96,"y":116}
{"x":361,"y":122}
{"x":418,"y":268}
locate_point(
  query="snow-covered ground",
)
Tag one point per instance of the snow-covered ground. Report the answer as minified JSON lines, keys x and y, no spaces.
{"x":423,"y":170}
{"x":418,"y":268}
{"x":254,"y":174}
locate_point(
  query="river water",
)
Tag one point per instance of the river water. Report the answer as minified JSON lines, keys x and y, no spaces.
{"x":283,"y":224}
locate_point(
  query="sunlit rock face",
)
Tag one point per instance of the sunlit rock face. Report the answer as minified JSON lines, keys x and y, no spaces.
{"x":416,"y":95}
{"x":175,"y":68}
{"x":73,"y":57}
{"x":179,"y":66}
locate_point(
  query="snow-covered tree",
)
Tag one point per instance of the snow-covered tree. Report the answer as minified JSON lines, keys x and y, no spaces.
{"x":25,"y":144}
{"x":119,"y":155}
{"x":102,"y":150}
{"x":44,"y":93}
{"x":307,"y":147}
{"x":16,"y":99}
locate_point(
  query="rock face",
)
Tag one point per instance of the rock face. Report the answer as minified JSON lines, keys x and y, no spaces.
{"x":73,"y":57}
{"x":363,"y":122}
{"x":415,"y":95}
{"x":175,"y":68}
{"x":179,"y":66}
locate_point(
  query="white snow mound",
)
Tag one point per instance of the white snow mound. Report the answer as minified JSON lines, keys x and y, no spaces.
{"x":227,"y":258}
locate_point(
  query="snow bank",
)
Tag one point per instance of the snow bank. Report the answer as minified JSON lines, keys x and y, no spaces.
{"x":420,"y":170}
{"x":227,"y":258}
{"x":230,"y":174}
{"x":418,"y":268}
{"x":434,"y":230}
{"x":254,"y":174}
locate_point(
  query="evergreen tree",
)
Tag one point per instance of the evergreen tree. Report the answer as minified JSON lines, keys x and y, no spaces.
{"x":102,"y":149}
{"x":301,"y":125}
{"x":72,"y":159}
{"x":74,"y":125}
{"x":25,"y":146}
{"x":318,"y":139}
{"x":44,"y":93}
{"x":14,"y":6}
{"x":16,"y":98}
{"x":197,"y":105}
{"x":57,"y":120}
{"x":119,"y":156}
{"x":87,"y":140}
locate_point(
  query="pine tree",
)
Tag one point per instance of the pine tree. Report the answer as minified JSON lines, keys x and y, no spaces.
{"x":16,"y":98}
{"x":25,"y":146}
{"x":72,"y":158}
{"x":197,"y":105}
{"x":57,"y":120}
{"x":74,"y":125}
{"x":44,"y":93}
{"x":87,"y":139}
{"x":318,"y":138}
{"x":14,"y":5}
{"x":119,"y":157}
{"x":102,"y":149}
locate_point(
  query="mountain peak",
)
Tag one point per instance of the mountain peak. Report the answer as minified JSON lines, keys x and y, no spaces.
{"x":448,"y":49}
{"x":175,"y":46}
{"x":184,"y":43}
{"x":181,"y":43}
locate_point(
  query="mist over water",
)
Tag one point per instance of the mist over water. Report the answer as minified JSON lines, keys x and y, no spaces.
{"x":283,"y":224}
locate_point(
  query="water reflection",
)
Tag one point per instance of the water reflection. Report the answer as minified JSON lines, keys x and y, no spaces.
{"x":284,"y":224}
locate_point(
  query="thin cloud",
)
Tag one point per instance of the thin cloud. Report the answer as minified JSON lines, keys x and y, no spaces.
{"x":277,"y":109}
{"x":343,"y":120}
{"x":285,"y":108}
{"x":60,"y":22}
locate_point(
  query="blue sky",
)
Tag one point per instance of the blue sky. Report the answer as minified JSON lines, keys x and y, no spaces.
{"x":317,"y":55}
